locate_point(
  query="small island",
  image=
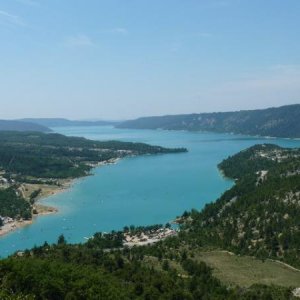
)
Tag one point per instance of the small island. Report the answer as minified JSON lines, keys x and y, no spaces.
{"x":34,"y":165}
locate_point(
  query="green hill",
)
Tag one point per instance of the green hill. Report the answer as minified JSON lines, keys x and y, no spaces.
{"x":9,"y":125}
{"x":277,"y":122}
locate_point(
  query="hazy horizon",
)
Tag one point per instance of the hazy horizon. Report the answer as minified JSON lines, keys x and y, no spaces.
{"x":122,"y":120}
{"x":120,"y":60}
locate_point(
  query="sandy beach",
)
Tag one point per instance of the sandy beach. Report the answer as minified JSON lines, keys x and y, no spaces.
{"x":40,"y":209}
{"x":46,"y":191}
{"x":9,"y":227}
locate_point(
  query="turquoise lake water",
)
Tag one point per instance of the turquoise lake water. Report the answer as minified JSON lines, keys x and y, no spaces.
{"x":140,"y":190}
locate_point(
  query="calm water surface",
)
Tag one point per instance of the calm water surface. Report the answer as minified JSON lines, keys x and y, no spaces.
{"x":141,"y":190}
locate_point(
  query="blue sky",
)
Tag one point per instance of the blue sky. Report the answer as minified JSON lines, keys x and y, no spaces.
{"x":120,"y":59}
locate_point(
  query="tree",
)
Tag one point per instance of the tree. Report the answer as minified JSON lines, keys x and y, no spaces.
{"x":61,"y":240}
{"x":165,"y":265}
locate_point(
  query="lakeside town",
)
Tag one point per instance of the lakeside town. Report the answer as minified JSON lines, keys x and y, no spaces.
{"x":147,"y":236}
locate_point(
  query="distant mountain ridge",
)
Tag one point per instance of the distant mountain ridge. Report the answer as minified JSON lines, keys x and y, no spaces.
{"x":57,"y":122}
{"x":282,"y":121}
{"x":11,"y":125}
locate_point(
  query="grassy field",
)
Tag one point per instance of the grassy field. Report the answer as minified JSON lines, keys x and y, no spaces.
{"x":234,"y":270}
{"x":245,"y":270}
{"x":46,"y":190}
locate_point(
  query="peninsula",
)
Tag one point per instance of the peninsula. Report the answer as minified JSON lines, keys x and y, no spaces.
{"x":34,"y":165}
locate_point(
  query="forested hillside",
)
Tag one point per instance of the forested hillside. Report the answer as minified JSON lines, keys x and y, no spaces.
{"x":58,"y":156}
{"x":96,"y":270}
{"x":277,"y":122}
{"x":259,"y":215}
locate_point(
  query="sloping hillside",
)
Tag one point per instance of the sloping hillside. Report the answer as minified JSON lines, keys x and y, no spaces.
{"x":259,"y":215}
{"x":8,"y":125}
{"x":278,"y":122}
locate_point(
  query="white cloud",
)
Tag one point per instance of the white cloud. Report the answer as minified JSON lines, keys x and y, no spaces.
{"x":277,"y":85}
{"x":29,"y":2}
{"x":175,"y":47}
{"x":224,"y":3}
{"x":221,"y":3}
{"x":119,"y":30}
{"x":79,"y":40}
{"x":204,"y":34}
{"x":275,"y":78}
{"x":10,"y":18}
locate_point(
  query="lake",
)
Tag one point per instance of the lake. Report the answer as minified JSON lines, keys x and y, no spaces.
{"x":138,"y":190}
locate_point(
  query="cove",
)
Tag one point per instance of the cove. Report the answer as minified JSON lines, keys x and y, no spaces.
{"x":139,"y":190}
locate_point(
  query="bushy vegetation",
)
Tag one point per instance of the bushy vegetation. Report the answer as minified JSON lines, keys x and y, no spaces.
{"x":13,"y":206}
{"x":65,"y":271}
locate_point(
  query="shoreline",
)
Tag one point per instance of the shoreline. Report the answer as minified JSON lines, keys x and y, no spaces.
{"x":217,"y":132}
{"x":41,"y":209}
{"x":46,"y":192}
{"x":13,"y":226}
